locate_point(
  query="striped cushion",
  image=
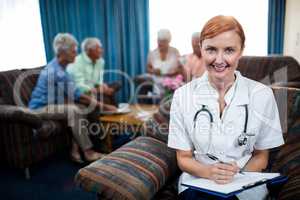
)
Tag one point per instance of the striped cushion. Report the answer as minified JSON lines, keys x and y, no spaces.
{"x":135,"y":171}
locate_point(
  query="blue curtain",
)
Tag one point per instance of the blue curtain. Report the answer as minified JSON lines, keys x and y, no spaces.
{"x":276,"y":26}
{"x":121,"y":25}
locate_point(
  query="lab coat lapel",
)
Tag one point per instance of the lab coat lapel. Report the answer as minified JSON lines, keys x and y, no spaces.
{"x":241,"y":96}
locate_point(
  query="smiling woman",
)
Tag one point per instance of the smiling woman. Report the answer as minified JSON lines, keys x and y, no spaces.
{"x":21,"y":36}
{"x":223,"y":95}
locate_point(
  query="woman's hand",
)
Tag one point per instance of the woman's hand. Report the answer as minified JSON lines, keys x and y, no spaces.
{"x":223,"y":173}
{"x":157,"y":72}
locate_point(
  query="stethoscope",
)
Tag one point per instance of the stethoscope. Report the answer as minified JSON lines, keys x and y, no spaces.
{"x":242,"y":138}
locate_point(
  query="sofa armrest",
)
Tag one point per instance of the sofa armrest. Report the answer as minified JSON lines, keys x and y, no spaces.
{"x":291,"y":84}
{"x":137,"y":170}
{"x":18,"y":114}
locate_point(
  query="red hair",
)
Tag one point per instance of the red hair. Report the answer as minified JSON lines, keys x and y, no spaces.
{"x":220,"y":24}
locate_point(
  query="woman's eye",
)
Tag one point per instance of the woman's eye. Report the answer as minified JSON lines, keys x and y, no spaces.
{"x":210,"y":50}
{"x":229,"y":50}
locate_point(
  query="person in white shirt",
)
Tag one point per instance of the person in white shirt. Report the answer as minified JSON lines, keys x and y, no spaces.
{"x":162,"y":62}
{"x":223,"y":114}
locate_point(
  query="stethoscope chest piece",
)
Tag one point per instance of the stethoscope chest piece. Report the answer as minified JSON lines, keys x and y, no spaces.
{"x":242,"y":139}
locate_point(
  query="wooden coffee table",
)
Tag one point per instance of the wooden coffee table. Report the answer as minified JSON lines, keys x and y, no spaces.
{"x":132,"y":122}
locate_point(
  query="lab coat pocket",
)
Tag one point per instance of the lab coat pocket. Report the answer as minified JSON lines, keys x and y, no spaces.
{"x":242,"y":144}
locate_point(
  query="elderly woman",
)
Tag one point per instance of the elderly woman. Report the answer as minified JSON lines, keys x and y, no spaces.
{"x":54,"y":95}
{"x":164,"y":60}
{"x":193,"y":66}
{"x":223,"y":115}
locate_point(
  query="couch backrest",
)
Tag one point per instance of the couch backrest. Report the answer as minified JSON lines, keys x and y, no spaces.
{"x":270,"y":69}
{"x":16,"y":85}
{"x":288,"y":103}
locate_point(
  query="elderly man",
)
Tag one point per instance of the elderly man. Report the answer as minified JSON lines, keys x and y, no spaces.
{"x":88,"y":69}
{"x":55,"y":93}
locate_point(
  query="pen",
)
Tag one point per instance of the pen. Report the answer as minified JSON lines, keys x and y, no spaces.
{"x":220,"y":161}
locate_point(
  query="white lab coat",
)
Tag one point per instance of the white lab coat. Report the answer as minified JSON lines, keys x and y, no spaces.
{"x":263,"y":122}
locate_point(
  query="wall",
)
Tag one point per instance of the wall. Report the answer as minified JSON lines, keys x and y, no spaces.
{"x":292,"y":29}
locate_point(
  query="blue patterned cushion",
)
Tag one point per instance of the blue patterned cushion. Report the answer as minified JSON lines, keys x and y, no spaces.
{"x":135,"y":171}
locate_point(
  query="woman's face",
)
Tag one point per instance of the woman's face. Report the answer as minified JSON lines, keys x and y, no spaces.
{"x":221,"y":55}
{"x":163,"y":44}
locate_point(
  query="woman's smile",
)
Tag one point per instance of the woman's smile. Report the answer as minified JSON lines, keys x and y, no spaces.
{"x":219,"y":67}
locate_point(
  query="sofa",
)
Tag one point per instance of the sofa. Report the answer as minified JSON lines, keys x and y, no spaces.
{"x":26,"y":139}
{"x":145,"y":168}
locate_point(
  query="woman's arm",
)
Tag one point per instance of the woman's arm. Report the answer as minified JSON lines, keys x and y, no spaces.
{"x":258,"y":161}
{"x":187,"y":164}
{"x":151,"y":70}
{"x":88,"y":100}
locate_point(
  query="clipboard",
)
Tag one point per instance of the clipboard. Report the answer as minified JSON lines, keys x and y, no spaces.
{"x":240,"y":183}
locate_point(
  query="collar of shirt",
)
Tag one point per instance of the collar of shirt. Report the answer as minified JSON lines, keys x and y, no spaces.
{"x":87,"y":59}
{"x":238,"y":93}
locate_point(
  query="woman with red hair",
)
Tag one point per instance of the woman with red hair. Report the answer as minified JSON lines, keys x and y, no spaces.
{"x":223,"y":117}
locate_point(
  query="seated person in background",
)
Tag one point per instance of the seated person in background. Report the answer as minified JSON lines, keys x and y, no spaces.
{"x":164,"y":60}
{"x":88,"y":69}
{"x":192,"y":63}
{"x":54,"y":95}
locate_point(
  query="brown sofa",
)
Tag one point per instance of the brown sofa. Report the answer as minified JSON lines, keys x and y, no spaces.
{"x":25,"y":138}
{"x":146,"y":168}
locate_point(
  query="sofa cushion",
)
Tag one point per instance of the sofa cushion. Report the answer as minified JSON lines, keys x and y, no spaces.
{"x":287,"y":162}
{"x":270,"y":69}
{"x":288,"y":103}
{"x":137,"y":170}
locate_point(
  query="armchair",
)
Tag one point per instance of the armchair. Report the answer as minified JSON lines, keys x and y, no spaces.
{"x":25,"y":139}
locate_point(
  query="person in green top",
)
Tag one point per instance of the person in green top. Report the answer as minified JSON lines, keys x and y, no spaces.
{"x":88,"y":68}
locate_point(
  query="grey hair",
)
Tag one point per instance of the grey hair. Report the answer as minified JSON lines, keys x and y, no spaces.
{"x":196,"y":35}
{"x":63,"y":42}
{"x":164,"y":34}
{"x":90,"y":43}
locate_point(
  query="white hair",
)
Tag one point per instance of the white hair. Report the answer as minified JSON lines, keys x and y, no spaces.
{"x":90,"y":43}
{"x":164,"y":34}
{"x":196,"y":35}
{"x":63,"y":42}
